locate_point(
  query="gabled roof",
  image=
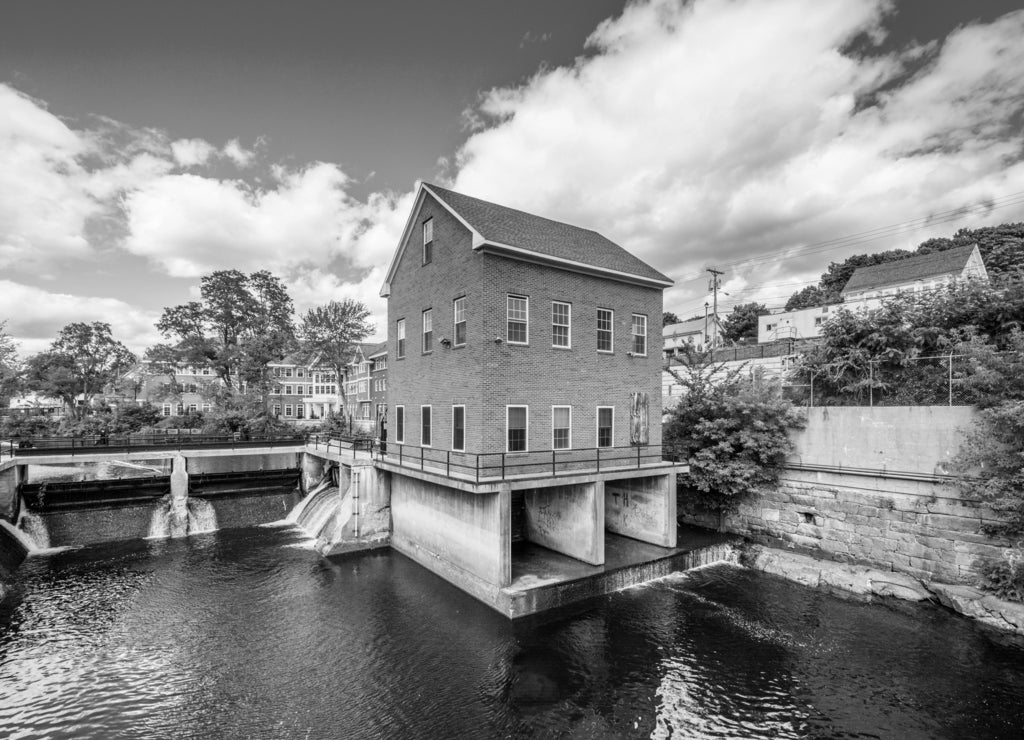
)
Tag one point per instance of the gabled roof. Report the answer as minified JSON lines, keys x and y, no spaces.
{"x":522,"y":235}
{"x":922,"y":267}
{"x":687,"y":327}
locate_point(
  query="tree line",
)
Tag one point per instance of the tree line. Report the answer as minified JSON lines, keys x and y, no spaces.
{"x":239,"y":325}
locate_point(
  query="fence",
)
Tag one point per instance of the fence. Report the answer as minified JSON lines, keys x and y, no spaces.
{"x":938,"y":380}
{"x":96,"y":443}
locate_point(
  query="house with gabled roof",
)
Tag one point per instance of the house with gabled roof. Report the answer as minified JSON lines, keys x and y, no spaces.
{"x":523,"y":391}
{"x":868,"y":287}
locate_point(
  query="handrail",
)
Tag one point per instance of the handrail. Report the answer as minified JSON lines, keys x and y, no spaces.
{"x":86,"y":444}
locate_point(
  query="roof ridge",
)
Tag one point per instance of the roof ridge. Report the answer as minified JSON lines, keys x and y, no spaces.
{"x":516,"y":210}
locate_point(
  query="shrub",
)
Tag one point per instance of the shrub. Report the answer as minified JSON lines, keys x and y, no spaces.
{"x":1004,"y":579}
{"x":731,"y":429}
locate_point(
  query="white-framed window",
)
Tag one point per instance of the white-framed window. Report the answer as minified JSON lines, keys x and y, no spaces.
{"x":300,"y":411}
{"x":561,"y":427}
{"x":179,"y":410}
{"x":459,"y":320}
{"x":206,"y":407}
{"x":287,"y":409}
{"x":605,"y":426}
{"x":400,"y":424}
{"x":428,"y":330}
{"x":192,"y":408}
{"x":277,"y":409}
{"x":605,"y":330}
{"x":167,"y":409}
{"x":287,"y":372}
{"x":287,"y":390}
{"x":400,"y":334}
{"x":518,"y":323}
{"x":459,"y":428}
{"x":428,"y":241}
{"x":639,"y":335}
{"x":206,"y":371}
{"x":561,"y":324}
{"x":818,"y":320}
{"x":517,"y":420}
{"x":425,"y":425}
{"x":299,"y":373}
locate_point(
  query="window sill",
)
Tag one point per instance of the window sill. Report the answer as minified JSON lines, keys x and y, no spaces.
{"x":564,"y":349}
{"x":517,"y":344}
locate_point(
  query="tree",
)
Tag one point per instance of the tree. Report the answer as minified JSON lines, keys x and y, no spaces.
{"x":669,"y":318}
{"x":240,"y":323}
{"x":809,"y":297}
{"x":9,"y":365}
{"x":80,"y":362}
{"x":731,"y":429}
{"x":331,"y":332}
{"x":741,"y":324}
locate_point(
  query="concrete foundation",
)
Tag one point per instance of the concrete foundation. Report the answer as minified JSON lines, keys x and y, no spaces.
{"x":568,"y":519}
{"x":463,"y":537}
{"x":642,"y":508}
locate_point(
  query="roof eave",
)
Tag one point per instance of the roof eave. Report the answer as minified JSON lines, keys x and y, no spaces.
{"x":526,"y":255}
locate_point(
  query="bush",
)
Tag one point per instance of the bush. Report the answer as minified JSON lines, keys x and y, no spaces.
{"x":1004,"y":579}
{"x":990,"y":465}
{"x":732,"y":430}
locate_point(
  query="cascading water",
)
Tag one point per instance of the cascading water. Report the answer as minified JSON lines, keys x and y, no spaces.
{"x":32,"y":525}
{"x":323,"y":514}
{"x":181,"y":517}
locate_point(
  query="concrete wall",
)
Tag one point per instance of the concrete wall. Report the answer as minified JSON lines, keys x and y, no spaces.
{"x":568,"y":519}
{"x":463,"y":537}
{"x":240,"y":463}
{"x":887,"y":518}
{"x":11,"y":476}
{"x":642,"y":508}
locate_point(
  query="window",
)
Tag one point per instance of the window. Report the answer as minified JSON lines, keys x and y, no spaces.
{"x":287,"y":409}
{"x":287,"y":372}
{"x":769,"y":327}
{"x":459,"y":428}
{"x":299,"y":372}
{"x":817,"y":320}
{"x":277,"y":409}
{"x":459,"y":309}
{"x":561,"y":427}
{"x":287,"y":390}
{"x":400,"y":424}
{"x":167,"y":409}
{"x":639,"y":335}
{"x":206,"y":371}
{"x":560,"y":333}
{"x":605,"y":320}
{"x":518,"y":309}
{"x":428,"y":241}
{"x":425,"y":426}
{"x":428,"y":330}
{"x":192,"y":408}
{"x":179,"y":410}
{"x":206,"y":407}
{"x":300,"y":411}
{"x":605,"y":425}
{"x":515,"y":423}
{"x":400,"y":333}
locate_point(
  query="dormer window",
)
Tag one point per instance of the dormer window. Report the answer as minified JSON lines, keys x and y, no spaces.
{"x":428,"y":241}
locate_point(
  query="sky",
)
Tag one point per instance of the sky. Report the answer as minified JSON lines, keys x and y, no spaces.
{"x":144,"y":144}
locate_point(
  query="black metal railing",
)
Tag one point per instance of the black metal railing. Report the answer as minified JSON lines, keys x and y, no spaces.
{"x":85,"y":444}
{"x":491,"y":466}
{"x":344,"y":445}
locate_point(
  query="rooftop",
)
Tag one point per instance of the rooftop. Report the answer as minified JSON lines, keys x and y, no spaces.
{"x":912,"y":268}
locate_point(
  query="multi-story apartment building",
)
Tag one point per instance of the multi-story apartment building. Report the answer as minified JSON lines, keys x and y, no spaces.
{"x":185,"y":389}
{"x":303,"y":391}
{"x":510,"y":332}
{"x":359,"y":400}
{"x":379,"y":385}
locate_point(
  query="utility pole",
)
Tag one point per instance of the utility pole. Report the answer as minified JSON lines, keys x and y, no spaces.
{"x":714,"y":284}
{"x":706,"y":325}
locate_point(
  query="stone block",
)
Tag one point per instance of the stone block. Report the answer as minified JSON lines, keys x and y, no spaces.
{"x":898,"y":585}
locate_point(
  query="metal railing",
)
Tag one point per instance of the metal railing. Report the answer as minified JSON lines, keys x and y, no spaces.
{"x":36,"y":446}
{"x":345,"y":445}
{"x":496,"y":466}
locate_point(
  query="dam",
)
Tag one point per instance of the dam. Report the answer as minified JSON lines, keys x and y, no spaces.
{"x":520,"y":535}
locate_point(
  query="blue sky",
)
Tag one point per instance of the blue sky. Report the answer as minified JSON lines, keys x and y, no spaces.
{"x":145,"y":144}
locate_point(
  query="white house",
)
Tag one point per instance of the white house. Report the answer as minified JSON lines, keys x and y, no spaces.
{"x":694,"y":334}
{"x":868,"y":287}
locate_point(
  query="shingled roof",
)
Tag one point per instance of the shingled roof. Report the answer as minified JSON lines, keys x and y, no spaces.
{"x":912,"y":268}
{"x":523,"y":235}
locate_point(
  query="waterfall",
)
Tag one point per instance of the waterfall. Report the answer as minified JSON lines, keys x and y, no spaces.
{"x":180,"y":516}
{"x":323,"y":515}
{"x":35,"y":528}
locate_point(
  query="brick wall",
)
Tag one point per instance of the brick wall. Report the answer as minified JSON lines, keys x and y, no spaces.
{"x":485,"y":375}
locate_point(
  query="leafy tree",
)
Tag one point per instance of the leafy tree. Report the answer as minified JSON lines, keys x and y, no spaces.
{"x":669,"y":318}
{"x":731,"y":429}
{"x":331,"y":332}
{"x":9,"y":365}
{"x":240,"y":323}
{"x":809,"y":297}
{"x":80,"y":362}
{"x":741,"y":324}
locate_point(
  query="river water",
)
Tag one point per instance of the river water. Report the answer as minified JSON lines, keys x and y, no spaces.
{"x":249,"y":634}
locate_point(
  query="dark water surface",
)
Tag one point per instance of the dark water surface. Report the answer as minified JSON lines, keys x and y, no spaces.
{"x":246,"y":634}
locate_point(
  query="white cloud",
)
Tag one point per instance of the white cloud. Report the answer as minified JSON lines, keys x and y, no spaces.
{"x":192,"y":152}
{"x":43,"y":204}
{"x":238,"y":154}
{"x":706,"y":132}
{"x":34,"y":316}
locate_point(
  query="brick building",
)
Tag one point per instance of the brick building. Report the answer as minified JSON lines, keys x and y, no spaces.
{"x":509,"y":332}
{"x":379,"y":385}
{"x":359,"y":399}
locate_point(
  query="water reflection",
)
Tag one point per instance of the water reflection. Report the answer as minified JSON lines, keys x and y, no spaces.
{"x":242,"y":634}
